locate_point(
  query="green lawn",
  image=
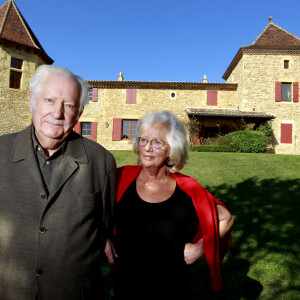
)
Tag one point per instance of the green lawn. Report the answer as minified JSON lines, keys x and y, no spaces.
{"x":262,"y":192}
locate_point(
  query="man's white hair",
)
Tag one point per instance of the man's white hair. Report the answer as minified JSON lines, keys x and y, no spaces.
{"x":45,"y":70}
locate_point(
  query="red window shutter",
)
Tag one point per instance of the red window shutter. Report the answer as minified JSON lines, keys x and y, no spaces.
{"x":128,"y":96}
{"x":296,"y":91}
{"x":286,"y":133}
{"x":94,"y":131}
{"x":215,"y":97}
{"x":278,"y":91}
{"x":95,"y":95}
{"x":77,"y":128}
{"x":117,"y":130}
{"x":131,"y":96}
{"x":209,"y":98}
{"x":212,"y":97}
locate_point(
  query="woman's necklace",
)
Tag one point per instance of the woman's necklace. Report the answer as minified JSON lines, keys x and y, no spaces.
{"x":146,"y":182}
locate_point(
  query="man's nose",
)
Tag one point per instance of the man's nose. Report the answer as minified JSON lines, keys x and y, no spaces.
{"x":58,"y":111}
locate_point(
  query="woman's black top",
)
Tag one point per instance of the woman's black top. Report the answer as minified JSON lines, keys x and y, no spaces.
{"x":150,"y":240}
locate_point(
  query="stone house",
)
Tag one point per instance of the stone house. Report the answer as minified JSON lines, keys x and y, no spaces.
{"x":20,"y":55}
{"x":262,"y":84}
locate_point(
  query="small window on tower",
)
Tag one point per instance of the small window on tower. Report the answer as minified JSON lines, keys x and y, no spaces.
{"x":286,"y":64}
{"x":286,"y":91}
{"x":15,"y":73}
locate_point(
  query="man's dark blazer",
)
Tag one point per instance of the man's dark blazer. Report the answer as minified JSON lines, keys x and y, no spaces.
{"x":52,"y":244}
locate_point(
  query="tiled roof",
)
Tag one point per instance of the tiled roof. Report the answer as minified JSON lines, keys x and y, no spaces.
{"x":162,"y":85}
{"x":273,"y":39}
{"x":203,"y":112}
{"x":14,"y":29}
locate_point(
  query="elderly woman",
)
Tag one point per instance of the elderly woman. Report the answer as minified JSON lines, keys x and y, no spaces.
{"x":164,"y":220}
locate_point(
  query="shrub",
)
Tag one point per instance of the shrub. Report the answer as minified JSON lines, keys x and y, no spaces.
{"x":266,"y":129}
{"x":248,"y":141}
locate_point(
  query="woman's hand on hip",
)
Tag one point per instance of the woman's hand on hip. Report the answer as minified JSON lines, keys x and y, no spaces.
{"x":193,"y":251}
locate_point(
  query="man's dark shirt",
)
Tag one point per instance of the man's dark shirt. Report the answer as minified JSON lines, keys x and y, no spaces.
{"x":47,"y":164}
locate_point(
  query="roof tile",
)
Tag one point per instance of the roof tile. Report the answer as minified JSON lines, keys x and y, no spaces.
{"x":275,"y":37}
{"x":227,"y":113}
{"x":14,"y":28}
{"x":272,"y":40}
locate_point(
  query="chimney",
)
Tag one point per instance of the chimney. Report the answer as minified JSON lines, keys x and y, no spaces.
{"x":204,"y":80}
{"x":121,"y":76}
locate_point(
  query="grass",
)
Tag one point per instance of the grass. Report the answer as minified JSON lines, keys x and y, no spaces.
{"x":262,"y":192}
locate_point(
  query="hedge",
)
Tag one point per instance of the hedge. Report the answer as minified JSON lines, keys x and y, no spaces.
{"x":248,"y":141}
{"x":212,"y":148}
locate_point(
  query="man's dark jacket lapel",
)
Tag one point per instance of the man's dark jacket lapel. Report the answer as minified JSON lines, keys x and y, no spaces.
{"x":22,"y":152}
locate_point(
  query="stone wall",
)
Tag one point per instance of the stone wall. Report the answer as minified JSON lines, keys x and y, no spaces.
{"x":14,"y":103}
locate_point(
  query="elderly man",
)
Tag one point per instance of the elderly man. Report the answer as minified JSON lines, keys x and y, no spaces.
{"x":57,"y":193}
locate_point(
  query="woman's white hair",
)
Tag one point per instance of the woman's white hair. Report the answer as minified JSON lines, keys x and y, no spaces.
{"x":45,"y":70}
{"x":176,"y":137}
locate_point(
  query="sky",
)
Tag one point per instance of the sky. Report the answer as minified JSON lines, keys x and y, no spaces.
{"x":153,"y":40}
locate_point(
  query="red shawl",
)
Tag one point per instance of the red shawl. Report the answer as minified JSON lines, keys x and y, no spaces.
{"x":205,"y":205}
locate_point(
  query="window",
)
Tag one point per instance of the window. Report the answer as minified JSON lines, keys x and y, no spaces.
{"x":286,"y":64}
{"x":286,"y":133}
{"x":93,"y":94}
{"x":90,"y":94}
{"x":86,"y":130}
{"x":15,"y":73}
{"x":286,"y":91}
{"x":129,"y":129}
{"x":16,"y":63}
{"x":124,"y":129}
{"x":212,"y":98}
